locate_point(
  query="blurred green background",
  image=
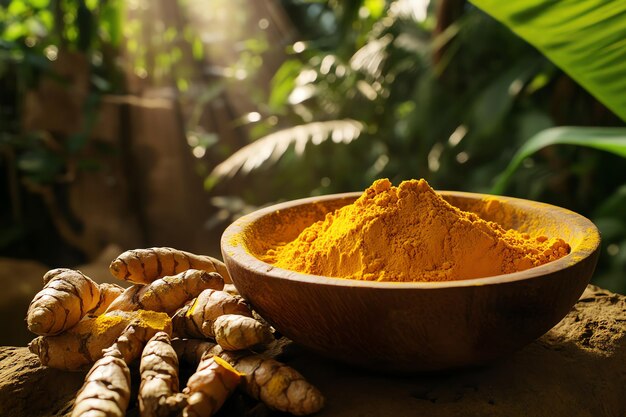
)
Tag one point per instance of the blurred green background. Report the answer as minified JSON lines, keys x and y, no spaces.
{"x":142,"y":123}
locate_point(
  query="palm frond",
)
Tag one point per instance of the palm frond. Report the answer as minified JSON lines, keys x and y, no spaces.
{"x":370,"y":57}
{"x":271,"y":147}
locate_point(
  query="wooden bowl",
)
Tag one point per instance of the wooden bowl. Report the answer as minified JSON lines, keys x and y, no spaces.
{"x":419,"y":326}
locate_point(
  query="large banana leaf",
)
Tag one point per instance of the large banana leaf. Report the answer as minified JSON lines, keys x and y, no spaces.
{"x":606,"y":139}
{"x":585,"y":38}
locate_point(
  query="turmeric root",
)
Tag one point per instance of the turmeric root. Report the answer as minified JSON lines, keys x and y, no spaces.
{"x":169,"y":293}
{"x":208,"y":388}
{"x":108,"y":293}
{"x":235,"y":328}
{"x":236,"y":332}
{"x":277,"y":385}
{"x":81,"y":345}
{"x":231,"y":289}
{"x":67,"y":297}
{"x":190,"y":351}
{"x":142,"y":266}
{"x":158,"y":392}
{"x":106,"y":391}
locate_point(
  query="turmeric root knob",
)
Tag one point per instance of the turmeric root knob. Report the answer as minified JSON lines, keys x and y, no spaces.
{"x":219,"y":315}
{"x":236,"y":332}
{"x":67,"y":297}
{"x":158,"y":392}
{"x":279,"y":386}
{"x":169,"y":293}
{"x":142,"y":266}
{"x":106,"y":391}
{"x":108,"y":294}
{"x":209,"y":387}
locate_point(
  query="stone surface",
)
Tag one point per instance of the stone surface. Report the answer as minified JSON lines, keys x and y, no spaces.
{"x":577,"y":369}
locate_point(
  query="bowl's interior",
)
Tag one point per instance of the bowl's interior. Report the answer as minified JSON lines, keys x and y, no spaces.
{"x":284,"y":225}
{"x":415,"y":326}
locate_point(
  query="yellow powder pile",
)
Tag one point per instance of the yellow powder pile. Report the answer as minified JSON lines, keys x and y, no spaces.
{"x":409,"y":233}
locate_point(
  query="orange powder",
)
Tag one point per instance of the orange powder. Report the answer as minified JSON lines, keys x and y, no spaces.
{"x":409,"y":233}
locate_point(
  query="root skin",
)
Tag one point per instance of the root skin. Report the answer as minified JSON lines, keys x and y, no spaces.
{"x":106,"y":391}
{"x":195,"y":320}
{"x":82,"y":345}
{"x":142,"y":266}
{"x":209,"y":387}
{"x":236,"y":332}
{"x":169,"y":293}
{"x":277,"y":385}
{"x":67,"y":296}
{"x":158,"y":392}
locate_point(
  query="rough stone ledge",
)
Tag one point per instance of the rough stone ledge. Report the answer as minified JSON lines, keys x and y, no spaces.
{"x":576,"y":369}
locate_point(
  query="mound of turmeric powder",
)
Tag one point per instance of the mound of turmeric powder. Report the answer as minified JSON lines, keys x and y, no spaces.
{"x":409,"y":233}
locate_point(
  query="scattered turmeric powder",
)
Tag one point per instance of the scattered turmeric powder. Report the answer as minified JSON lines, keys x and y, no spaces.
{"x":410,"y":233}
{"x":82,"y":345}
{"x":106,"y":390}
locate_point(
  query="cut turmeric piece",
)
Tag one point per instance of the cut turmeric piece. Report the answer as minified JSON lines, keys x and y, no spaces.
{"x":209,"y":387}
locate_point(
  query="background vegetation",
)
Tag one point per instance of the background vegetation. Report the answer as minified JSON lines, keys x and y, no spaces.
{"x":362,"y":89}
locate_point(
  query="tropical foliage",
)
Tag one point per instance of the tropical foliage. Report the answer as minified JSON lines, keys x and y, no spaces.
{"x":370,"y":88}
{"x":451,"y":99}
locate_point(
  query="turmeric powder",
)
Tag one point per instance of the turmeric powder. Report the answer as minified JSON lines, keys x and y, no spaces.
{"x":82,"y":345}
{"x":410,"y":233}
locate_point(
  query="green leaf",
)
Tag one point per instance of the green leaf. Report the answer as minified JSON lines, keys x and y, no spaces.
{"x":197,"y":49}
{"x":283,"y":83}
{"x":111,"y":20}
{"x":585,"y":38}
{"x":14,"y":31}
{"x":39,"y":4}
{"x":606,"y":139}
{"x":17,"y":7}
{"x":375,"y":7}
{"x":272,"y":147}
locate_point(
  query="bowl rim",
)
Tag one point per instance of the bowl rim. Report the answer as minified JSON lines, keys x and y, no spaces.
{"x":237,"y":252}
